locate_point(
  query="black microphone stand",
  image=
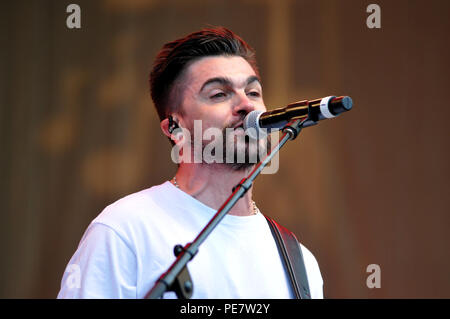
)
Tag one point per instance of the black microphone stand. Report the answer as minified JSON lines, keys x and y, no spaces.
{"x":177,"y":277}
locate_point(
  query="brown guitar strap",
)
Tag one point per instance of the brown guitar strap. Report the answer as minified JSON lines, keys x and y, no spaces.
{"x":292,"y":257}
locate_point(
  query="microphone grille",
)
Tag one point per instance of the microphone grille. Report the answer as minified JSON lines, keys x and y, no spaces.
{"x":347,"y":102}
{"x":251,"y":124}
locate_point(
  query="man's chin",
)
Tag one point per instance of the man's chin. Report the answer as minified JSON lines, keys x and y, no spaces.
{"x":240,"y":166}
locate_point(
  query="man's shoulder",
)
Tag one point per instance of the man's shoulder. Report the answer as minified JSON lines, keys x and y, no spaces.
{"x":133,"y":207}
{"x":309,"y":257}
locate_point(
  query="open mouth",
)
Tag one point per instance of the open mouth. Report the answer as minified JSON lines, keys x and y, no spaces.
{"x":239,"y":125}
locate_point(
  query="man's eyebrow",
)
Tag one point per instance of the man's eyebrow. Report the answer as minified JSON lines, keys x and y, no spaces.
{"x":227,"y":82}
{"x":252,"y":79}
{"x":220,"y":80}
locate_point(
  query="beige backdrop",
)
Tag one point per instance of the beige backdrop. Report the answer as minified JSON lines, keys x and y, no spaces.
{"x":78,"y":131}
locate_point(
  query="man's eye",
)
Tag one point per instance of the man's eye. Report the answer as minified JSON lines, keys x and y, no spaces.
{"x":218,"y":95}
{"x":254,"y":93}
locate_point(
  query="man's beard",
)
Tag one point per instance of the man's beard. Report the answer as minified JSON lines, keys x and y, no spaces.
{"x":240,"y":152}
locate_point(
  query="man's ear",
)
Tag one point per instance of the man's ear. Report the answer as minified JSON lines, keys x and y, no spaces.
{"x":169,"y":127}
{"x":165,"y":127}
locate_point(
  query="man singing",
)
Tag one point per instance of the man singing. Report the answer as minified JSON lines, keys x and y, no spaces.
{"x":207,"y":80}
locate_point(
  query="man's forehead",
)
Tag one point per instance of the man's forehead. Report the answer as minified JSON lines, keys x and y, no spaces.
{"x":234,"y":68}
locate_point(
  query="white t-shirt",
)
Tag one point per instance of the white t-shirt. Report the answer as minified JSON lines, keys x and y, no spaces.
{"x":130,"y":244}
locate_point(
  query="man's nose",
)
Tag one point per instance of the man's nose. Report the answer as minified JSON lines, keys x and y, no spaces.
{"x":243,"y":105}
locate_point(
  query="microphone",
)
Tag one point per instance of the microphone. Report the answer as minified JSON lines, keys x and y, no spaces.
{"x":273,"y":120}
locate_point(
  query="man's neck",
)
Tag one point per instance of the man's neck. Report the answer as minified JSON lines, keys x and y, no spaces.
{"x":212,"y":184}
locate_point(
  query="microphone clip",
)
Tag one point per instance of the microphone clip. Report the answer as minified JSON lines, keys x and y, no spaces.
{"x":296,"y":124}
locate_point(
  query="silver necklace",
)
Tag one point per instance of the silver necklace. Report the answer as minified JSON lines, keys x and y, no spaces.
{"x":255,"y":209}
